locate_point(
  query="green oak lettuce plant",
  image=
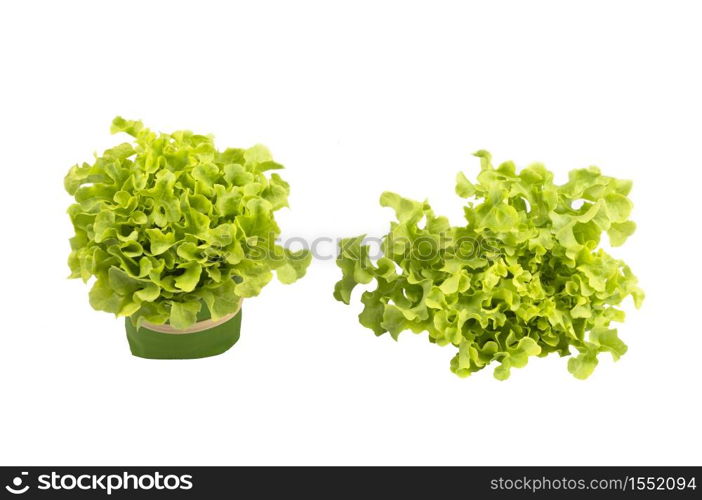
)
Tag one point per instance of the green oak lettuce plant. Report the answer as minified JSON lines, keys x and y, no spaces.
{"x":167,"y":225}
{"x":524,"y":276}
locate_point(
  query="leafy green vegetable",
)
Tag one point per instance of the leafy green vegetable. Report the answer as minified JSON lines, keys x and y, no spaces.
{"x":168,"y":222}
{"x":523,"y":277}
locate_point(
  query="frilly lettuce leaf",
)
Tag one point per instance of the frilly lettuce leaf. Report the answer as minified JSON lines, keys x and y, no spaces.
{"x":523,"y":277}
{"x":168,"y":224}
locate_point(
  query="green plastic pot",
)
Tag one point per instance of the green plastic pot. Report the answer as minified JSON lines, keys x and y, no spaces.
{"x":151,"y":344}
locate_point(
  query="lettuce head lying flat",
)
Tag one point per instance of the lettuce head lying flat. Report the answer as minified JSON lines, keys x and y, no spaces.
{"x":524,"y":276}
{"x":167,"y":224}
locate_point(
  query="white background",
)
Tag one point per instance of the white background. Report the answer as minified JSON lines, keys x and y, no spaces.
{"x":354,"y":98}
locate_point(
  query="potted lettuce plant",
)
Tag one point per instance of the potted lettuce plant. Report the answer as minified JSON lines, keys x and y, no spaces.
{"x":174,"y":234}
